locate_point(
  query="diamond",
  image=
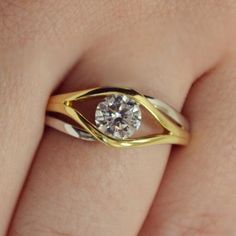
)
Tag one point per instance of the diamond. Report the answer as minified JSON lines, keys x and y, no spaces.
{"x":118,"y":116}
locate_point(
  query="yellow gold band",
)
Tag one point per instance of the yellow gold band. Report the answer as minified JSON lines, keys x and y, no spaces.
{"x":174,"y":124}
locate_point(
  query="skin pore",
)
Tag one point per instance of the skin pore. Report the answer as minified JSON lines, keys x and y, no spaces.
{"x":158,"y":47}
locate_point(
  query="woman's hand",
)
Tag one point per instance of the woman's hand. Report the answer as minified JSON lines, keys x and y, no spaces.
{"x":158,"y":47}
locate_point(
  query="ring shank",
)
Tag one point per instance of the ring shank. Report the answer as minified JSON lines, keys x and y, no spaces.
{"x":77,"y":132}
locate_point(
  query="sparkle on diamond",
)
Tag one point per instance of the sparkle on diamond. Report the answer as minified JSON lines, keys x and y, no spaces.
{"x":118,"y":116}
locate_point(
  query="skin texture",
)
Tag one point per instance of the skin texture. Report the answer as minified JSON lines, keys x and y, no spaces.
{"x":197,"y":196}
{"x":158,"y":47}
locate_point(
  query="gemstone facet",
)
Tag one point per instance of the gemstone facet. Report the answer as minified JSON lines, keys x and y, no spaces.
{"x":118,"y":116}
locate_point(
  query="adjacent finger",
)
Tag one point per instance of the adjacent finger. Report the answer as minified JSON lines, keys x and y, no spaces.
{"x":197,"y":196}
{"x":30,"y":66}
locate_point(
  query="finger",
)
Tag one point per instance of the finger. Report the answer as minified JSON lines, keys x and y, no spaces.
{"x":197,"y":196}
{"x":73,"y":183}
{"x":76,"y":188}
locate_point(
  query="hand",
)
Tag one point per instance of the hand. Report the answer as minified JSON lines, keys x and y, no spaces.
{"x":182,"y":52}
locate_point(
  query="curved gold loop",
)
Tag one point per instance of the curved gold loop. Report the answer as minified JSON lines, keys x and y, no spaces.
{"x":175,"y":134}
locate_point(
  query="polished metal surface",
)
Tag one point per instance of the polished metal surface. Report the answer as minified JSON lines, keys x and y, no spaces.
{"x":80,"y":133}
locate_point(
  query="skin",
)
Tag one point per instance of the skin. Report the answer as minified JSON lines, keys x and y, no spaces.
{"x":182,"y":52}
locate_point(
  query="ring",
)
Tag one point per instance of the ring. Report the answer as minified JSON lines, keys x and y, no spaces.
{"x":116,"y":117}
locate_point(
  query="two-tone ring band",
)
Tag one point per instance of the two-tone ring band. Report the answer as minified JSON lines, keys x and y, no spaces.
{"x":117,"y":117}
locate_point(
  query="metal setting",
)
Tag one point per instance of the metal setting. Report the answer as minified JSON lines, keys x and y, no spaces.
{"x":174,"y":124}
